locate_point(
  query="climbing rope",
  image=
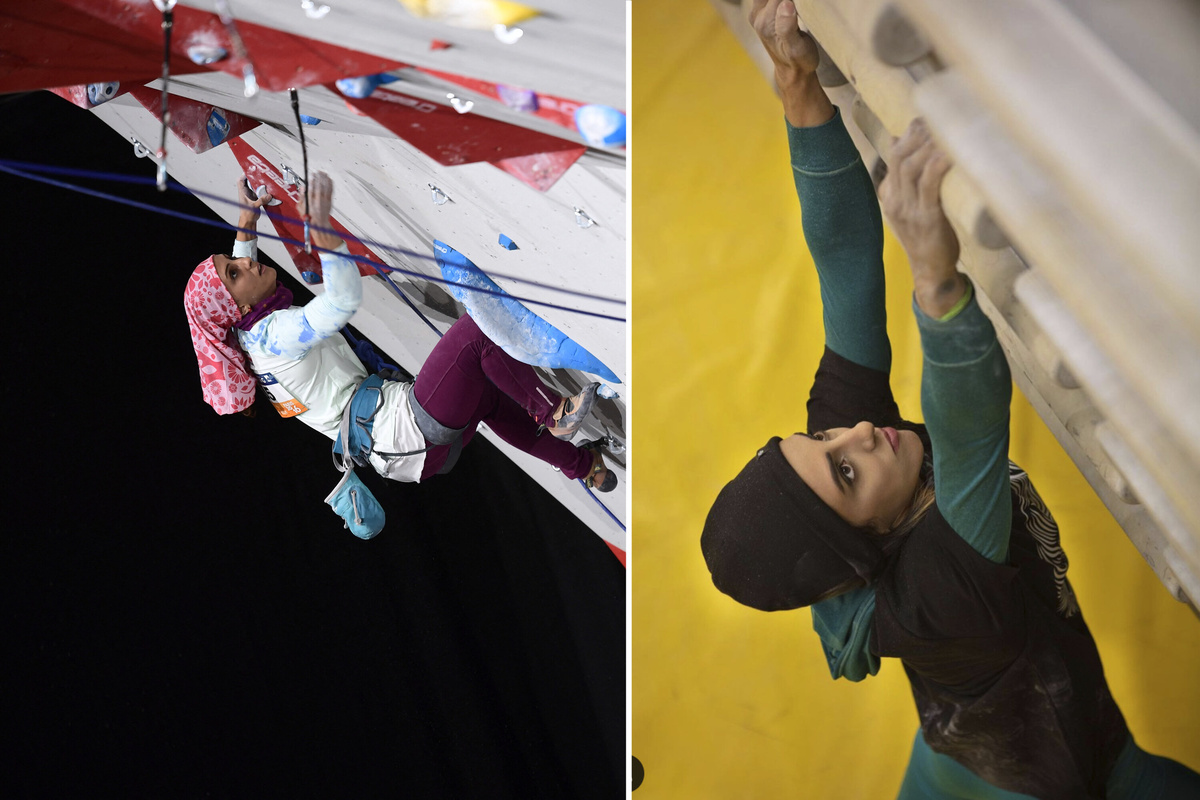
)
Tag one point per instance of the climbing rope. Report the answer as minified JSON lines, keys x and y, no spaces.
{"x":600,"y":503}
{"x":168,"y":11}
{"x":295,"y":95}
{"x":249,"y":79}
{"x":27,"y":170}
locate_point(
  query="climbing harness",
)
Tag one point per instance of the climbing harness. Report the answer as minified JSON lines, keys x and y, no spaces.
{"x":358,"y":422}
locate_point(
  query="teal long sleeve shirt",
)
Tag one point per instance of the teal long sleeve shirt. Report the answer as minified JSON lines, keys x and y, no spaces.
{"x":965,"y":384}
{"x":965,"y":381}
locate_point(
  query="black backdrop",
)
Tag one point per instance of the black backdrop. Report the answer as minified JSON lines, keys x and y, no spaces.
{"x":183,"y":615}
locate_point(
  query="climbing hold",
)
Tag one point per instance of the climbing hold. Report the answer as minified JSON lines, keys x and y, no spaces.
{"x":290,"y":177}
{"x":609,"y":442}
{"x":507,"y":243}
{"x":261,"y":192}
{"x":894,"y":39}
{"x":311,"y":278}
{"x":204,"y":54}
{"x":518,"y":99}
{"x":139,"y":150}
{"x":506,"y":34}
{"x":601,"y":126}
{"x":522,"y":334}
{"x":312,"y":10}
{"x":307,"y":120}
{"x":460,"y":105}
{"x":582,"y":219}
{"x":439,"y":197}
{"x":438,"y":44}
{"x":607,"y":392}
{"x":217,"y":127}
{"x":361,"y":87}
{"x":828,"y":74}
{"x":249,"y":81}
{"x":102,"y":92}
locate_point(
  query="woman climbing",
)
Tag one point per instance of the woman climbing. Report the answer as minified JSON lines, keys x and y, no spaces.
{"x":408,"y":431}
{"x":922,"y":543}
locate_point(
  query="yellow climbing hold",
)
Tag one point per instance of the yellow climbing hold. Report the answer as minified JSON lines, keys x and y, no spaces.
{"x":481,"y":14}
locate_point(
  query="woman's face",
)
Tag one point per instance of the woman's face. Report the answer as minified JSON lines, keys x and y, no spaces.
{"x":248,"y":281}
{"x":867,"y":475}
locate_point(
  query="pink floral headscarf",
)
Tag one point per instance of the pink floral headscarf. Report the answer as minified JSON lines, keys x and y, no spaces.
{"x":211,"y":313}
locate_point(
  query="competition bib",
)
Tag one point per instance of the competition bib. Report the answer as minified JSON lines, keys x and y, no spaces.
{"x":281,"y":398}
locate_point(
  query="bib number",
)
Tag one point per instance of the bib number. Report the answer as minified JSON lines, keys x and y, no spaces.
{"x":281,"y":398}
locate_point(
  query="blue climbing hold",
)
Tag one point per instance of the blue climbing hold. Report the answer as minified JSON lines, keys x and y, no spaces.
{"x":507,"y":243}
{"x":601,"y":126}
{"x":102,"y":92}
{"x":362,"y":87}
{"x":307,"y":120}
{"x":217,"y":127}
{"x":524,"y":335}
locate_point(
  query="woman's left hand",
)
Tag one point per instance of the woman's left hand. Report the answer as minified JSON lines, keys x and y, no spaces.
{"x":251,"y":206}
{"x":910,"y":197}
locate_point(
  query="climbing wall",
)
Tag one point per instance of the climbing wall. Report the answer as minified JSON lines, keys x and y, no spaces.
{"x":1075,"y":190}
{"x":459,"y":121}
{"x":729,"y":702}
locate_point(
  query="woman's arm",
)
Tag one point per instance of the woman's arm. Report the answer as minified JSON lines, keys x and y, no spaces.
{"x":246,"y":243}
{"x":328,"y":313}
{"x":965,"y":384}
{"x":842,"y":223}
{"x":293,"y":332}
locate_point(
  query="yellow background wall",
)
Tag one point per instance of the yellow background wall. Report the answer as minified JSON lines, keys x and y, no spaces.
{"x":733,"y":703}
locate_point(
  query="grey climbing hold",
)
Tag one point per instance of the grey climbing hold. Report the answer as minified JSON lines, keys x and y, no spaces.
{"x":102,"y":92}
{"x":506,"y":34}
{"x":894,"y":39}
{"x":203,"y":54}
{"x":461,"y":105}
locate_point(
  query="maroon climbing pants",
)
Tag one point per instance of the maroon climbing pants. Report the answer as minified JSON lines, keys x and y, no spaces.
{"x":469,"y":379}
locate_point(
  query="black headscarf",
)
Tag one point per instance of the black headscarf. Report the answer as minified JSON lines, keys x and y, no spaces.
{"x":772,"y":544}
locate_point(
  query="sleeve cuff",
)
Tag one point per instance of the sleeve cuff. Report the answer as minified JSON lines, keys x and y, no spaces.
{"x":968,"y":295}
{"x":822,"y":148}
{"x":342,"y":249}
{"x":962,"y":336}
{"x":243,"y":249}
